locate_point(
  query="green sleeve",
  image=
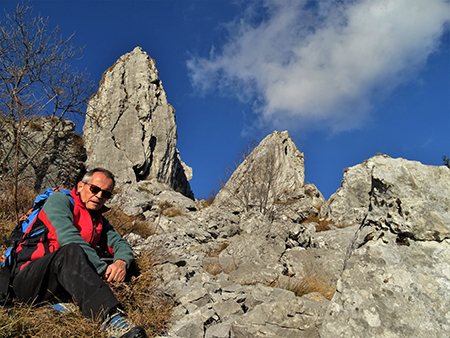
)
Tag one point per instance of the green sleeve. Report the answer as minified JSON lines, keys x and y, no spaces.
{"x":58,"y":210}
{"x":121,"y":248}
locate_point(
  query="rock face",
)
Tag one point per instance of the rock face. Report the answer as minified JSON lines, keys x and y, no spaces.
{"x":130,"y":128}
{"x":271,"y":181}
{"x":233,"y":274}
{"x":396,"y":280}
{"x":350,"y":203}
{"x":242,"y":273}
{"x":60,"y":158}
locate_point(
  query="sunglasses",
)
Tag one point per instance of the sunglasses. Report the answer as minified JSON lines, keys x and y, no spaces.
{"x":95,"y":190}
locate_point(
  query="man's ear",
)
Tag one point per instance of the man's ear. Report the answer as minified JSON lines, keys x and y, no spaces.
{"x":79,"y":186}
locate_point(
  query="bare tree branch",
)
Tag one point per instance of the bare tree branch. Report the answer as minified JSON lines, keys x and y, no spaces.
{"x":36,"y":79}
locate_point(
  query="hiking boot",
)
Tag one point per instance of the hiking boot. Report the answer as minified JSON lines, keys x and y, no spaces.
{"x":117,"y":326}
{"x":65,"y":307}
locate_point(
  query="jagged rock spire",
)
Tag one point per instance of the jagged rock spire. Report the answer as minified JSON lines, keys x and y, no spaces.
{"x":270,"y":180}
{"x":130,"y":127}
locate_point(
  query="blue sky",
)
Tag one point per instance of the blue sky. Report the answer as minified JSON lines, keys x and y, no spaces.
{"x":347,"y":79}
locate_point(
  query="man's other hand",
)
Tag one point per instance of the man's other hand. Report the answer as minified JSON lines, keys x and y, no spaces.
{"x":116,"y":272}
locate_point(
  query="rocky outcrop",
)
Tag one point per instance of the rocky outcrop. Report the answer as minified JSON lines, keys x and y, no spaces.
{"x":234,"y":270}
{"x":244,"y":275}
{"x":57,"y":153}
{"x":396,"y":280}
{"x":253,"y":263}
{"x":350,"y":203}
{"x":130,"y":127}
{"x":271,"y":181}
{"x":228,"y":274}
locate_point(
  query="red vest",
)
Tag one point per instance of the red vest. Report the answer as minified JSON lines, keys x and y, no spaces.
{"x":89,"y":228}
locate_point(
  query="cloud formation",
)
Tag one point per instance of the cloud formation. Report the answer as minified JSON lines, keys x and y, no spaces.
{"x":321,"y":62}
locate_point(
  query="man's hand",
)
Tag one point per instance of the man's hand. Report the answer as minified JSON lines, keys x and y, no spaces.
{"x":116,"y":271}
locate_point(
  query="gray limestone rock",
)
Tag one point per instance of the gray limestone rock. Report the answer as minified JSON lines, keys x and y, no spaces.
{"x":390,"y":269}
{"x":396,"y":279}
{"x":130,"y":127}
{"x":60,"y":153}
{"x":350,"y":203}
{"x":290,"y":319}
{"x":265,"y":177}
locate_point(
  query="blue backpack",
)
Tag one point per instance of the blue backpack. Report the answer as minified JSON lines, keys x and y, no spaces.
{"x":19,"y":234}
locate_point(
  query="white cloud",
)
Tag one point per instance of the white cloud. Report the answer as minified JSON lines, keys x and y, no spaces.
{"x":323,"y":62}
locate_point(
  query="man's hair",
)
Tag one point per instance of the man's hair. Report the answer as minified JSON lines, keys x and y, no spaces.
{"x":91,"y":172}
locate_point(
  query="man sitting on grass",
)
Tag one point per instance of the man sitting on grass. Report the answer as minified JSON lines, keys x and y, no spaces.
{"x":64,"y":263}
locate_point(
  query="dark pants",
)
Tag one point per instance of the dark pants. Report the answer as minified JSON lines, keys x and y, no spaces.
{"x":64,"y":273}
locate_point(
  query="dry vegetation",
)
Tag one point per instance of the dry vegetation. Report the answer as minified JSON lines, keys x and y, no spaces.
{"x":313,"y":282}
{"x":209,"y":201}
{"x":141,"y":298}
{"x":322,"y":225}
{"x":168,"y":209}
{"x":8,"y":217}
{"x":125,"y":224}
{"x":215,"y":251}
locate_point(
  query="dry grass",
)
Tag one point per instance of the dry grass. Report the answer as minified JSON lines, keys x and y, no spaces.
{"x":209,"y":201}
{"x":173,"y":212}
{"x":314,"y":282}
{"x":125,"y":224}
{"x":168,"y":209}
{"x":27,"y":321}
{"x":142,"y":299}
{"x":78,"y":143}
{"x":25,"y":199}
{"x":322,"y":225}
{"x":217,"y":249}
{"x":212,"y":267}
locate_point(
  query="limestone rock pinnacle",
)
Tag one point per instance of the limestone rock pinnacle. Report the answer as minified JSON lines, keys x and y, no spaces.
{"x":130,"y":127}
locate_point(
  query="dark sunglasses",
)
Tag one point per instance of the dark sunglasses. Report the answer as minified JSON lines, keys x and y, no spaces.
{"x":95,"y":190}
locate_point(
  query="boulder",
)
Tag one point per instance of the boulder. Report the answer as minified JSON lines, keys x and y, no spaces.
{"x":396,"y":278}
{"x":350,"y":203}
{"x":130,"y":127}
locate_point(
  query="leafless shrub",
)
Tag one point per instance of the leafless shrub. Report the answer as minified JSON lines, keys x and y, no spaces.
{"x":260,"y":186}
{"x":36,"y":80}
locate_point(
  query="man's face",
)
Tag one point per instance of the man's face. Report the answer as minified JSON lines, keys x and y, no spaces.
{"x":94,"y":202}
